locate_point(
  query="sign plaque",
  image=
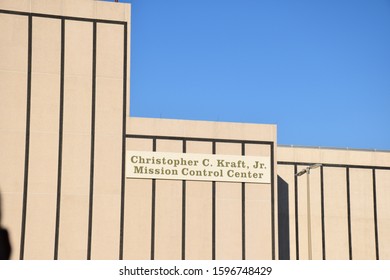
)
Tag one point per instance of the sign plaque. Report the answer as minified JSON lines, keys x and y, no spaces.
{"x":198,"y":167}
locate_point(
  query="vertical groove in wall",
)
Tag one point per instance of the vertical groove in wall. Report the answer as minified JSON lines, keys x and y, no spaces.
{"x":296,"y":211}
{"x":213,"y":248}
{"x":153,"y":219}
{"x":91,"y":180}
{"x":322,"y":214}
{"x":273,"y":201}
{"x":243,"y":209}
{"x":375,"y":214}
{"x":123,"y":178}
{"x":27,"y":143}
{"x":60,"y":140}
{"x":183,"y":213}
{"x":349,"y":214}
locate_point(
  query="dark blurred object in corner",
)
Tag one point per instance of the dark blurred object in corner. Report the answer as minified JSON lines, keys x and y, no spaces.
{"x":5,"y":246}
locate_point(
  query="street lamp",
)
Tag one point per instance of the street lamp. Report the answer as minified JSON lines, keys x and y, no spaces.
{"x":300,"y":173}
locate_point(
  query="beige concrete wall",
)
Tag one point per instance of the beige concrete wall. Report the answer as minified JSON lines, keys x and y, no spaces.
{"x":349,"y":218}
{"x":333,"y":156}
{"x":65,"y":220}
{"x":77,"y":141}
{"x":198,"y":219}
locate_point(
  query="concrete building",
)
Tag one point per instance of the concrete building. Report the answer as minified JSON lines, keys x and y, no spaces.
{"x":65,"y":133}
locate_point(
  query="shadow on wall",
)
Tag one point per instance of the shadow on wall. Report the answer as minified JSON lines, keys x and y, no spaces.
{"x":5,"y":246}
{"x":283,"y":220}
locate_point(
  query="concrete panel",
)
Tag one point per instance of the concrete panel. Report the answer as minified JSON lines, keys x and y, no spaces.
{"x":110,"y":51}
{"x":381,"y":158}
{"x":229,"y":212}
{"x":258,"y":225}
{"x":46,"y":38}
{"x":258,"y":228}
{"x":78,"y":57}
{"x":108,"y":149}
{"x":13,"y":90}
{"x":361,"y":157}
{"x":137,"y":230}
{"x":307,"y":155}
{"x":47,"y":6}
{"x":73,"y":226}
{"x":39,"y":242}
{"x":168,"y":220}
{"x":285,"y":153}
{"x":83,"y":8}
{"x":73,"y":234}
{"x":334,"y":156}
{"x":14,"y":42}
{"x":45,"y":102}
{"x":109,"y":110}
{"x":168,"y":210}
{"x":138,"y":199}
{"x":106,"y":225}
{"x":12,"y":5}
{"x":362,"y":214}
{"x":105,"y":10}
{"x":383,"y":198}
{"x":198,"y":211}
{"x":336,"y":217}
{"x":77,"y":107}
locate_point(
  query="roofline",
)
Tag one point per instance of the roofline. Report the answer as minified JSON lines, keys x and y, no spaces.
{"x":333,"y":148}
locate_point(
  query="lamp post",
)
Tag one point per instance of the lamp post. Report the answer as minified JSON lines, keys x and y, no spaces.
{"x":300,"y":173}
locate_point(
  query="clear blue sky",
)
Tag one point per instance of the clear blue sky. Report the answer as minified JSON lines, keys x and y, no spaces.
{"x":319,"y":69}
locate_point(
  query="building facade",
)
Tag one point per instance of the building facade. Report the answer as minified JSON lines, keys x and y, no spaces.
{"x":65,"y":131}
